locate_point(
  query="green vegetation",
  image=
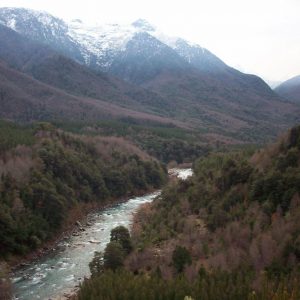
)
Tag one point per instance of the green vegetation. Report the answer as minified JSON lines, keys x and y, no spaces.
{"x":114,"y":254}
{"x":224,"y":189}
{"x":12,"y":135}
{"x":121,"y":235}
{"x":229,"y":232}
{"x":53,"y":172}
{"x":166,"y":143}
{"x":214,"y":286}
{"x":181,"y":257}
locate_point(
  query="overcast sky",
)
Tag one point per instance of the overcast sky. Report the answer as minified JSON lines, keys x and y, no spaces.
{"x":255,"y":36}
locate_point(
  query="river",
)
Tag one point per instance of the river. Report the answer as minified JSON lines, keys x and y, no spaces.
{"x":62,"y":270}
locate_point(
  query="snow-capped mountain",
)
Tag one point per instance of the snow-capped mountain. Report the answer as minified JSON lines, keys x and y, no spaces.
{"x":139,"y":67}
{"x":104,"y":41}
{"x":107,"y":42}
{"x":168,"y":76}
{"x":99,"y":45}
{"x":42,"y":27}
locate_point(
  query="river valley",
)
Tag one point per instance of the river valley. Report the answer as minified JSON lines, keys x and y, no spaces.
{"x":61,"y":271}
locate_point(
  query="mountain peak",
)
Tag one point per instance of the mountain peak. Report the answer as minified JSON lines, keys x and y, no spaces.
{"x":25,"y":12}
{"x":18,"y":17}
{"x":143,"y":24}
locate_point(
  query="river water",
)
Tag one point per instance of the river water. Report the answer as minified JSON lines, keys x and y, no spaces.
{"x":59,"y":272}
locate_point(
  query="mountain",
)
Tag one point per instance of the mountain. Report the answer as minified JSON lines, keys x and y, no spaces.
{"x":99,"y":46}
{"x":290,"y":89}
{"x":42,"y":27}
{"x":139,"y":67}
{"x":52,"y":68}
{"x":24,"y":99}
{"x":165,"y":76}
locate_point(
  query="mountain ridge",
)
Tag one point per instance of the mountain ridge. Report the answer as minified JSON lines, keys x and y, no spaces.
{"x":96,"y":42}
{"x":173,"y":79}
{"x":52,"y":68}
{"x":26,"y":99}
{"x":290,"y":89}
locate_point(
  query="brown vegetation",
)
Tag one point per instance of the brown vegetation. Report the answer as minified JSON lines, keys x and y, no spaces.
{"x":222,"y":217}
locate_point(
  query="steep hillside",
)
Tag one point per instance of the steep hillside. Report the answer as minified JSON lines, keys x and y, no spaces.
{"x":46,"y":174}
{"x":290,"y":89}
{"x":234,"y":227}
{"x":42,"y":27}
{"x":139,"y":67}
{"x":176,"y":79}
{"x":48,"y":66}
{"x":25,"y":99}
{"x":221,"y":106}
{"x":237,"y":200}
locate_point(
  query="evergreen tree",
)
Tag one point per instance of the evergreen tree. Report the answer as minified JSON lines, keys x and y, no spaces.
{"x":96,"y":265}
{"x":121,"y":235}
{"x":113,"y":256}
{"x":181,"y":257}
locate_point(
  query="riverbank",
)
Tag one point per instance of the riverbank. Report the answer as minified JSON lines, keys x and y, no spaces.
{"x":76,"y":221}
{"x":79,"y":213}
{"x":54,"y":274}
{"x":63,"y":269}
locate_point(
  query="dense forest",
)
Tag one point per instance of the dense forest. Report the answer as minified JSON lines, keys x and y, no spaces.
{"x":166,"y":142}
{"x":229,"y":232}
{"x":46,"y":172}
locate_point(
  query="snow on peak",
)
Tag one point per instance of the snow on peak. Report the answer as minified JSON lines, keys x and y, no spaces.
{"x":25,"y":14}
{"x":106,"y":41}
{"x":103,"y":42}
{"x":18,"y":18}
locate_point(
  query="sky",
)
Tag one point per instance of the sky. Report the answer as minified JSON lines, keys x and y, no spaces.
{"x":261,"y":37}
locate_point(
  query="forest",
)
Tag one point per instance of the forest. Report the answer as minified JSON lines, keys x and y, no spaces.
{"x":229,"y":232}
{"x":233,"y":226}
{"x":46,"y":172}
{"x":166,"y":142}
